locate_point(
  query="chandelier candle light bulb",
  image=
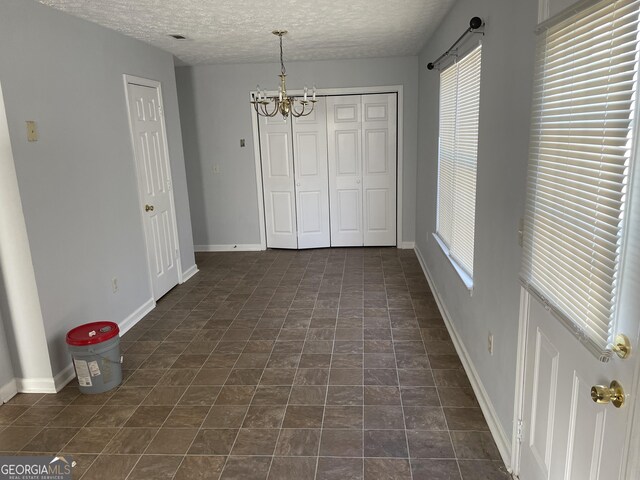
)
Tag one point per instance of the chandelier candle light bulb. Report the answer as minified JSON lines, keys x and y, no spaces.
{"x":270,"y":106}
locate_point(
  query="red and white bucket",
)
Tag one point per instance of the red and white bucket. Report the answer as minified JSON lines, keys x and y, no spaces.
{"x":95,"y":348}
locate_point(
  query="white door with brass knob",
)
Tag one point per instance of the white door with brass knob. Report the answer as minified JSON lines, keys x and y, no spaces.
{"x":580,"y":310}
{"x":154,"y":184}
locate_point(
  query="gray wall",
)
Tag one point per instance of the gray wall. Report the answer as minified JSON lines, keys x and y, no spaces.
{"x":505,"y":98}
{"x":78,"y":182}
{"x":215,"y":113}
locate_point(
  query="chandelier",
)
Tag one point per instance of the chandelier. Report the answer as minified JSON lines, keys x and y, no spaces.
{"x":269,"y":106}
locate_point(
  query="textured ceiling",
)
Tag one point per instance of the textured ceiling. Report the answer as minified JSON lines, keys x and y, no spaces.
{"x":238,"y":31}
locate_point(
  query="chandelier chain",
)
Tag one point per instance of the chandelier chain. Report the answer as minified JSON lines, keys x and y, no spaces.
{"x":282,"y":69}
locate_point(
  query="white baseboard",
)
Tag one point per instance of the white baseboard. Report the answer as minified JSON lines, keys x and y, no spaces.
{"x":126,"y":324}
{"x":499,"y":435}
{"x":63,"y":377}
{"x":36,"y":385}
{"x":407,"y":245}
{"x":8,"y":391}
{"x":247,"y":247}
{"x":189,"y":272}
{"x":68,"y":373}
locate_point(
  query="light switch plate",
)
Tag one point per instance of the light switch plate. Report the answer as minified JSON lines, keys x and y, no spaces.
{"x":32,"y":131}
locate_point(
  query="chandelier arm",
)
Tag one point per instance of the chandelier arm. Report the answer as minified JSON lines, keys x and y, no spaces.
{"x":308,"y":113}
{"x":303,"y":112}
{"x":295,"y":112}
{"x":261,"y":109}
{"x":273,"y":112}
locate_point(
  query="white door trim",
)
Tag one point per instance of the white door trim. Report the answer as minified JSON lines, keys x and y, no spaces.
{"x":518,"y":407}
{"x":132,"y":79}
{"x":399,"y":89}
{"x":631,"y":467}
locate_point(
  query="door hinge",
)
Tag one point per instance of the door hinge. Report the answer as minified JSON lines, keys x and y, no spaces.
{"x":159,"y":109}
{"x":519,"y":430}
{"x":177,"y":254}
{"x":169,"y":184}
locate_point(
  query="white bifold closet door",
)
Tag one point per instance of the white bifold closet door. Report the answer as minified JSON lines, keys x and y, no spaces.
{"x":278,"y":182}
{"x":362,"y":169}
{"x":294,"y":180}
{"x":312,"y":177}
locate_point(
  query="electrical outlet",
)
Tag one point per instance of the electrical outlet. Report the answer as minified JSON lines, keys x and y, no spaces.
{"x":242,"y":144}
{"x":216,"y":169}
{"x":490,"y":343}
{"x":114,"y":284}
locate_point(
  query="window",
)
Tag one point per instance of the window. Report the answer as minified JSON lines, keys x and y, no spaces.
{"x":580,"y":154}
{"x":458,"y":147}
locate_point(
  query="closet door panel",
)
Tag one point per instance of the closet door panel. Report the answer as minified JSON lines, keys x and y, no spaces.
{"x":311,"y":178}
{"x":379,"y":169}
{"x":344,"y":131}
{"x":278,"y":182}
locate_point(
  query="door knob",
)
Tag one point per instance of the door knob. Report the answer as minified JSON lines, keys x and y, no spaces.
{"x":148,"y":208}
{"x":614,"y":393}
{"x":358,"y":181}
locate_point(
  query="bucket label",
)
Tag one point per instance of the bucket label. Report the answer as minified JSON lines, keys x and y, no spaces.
{"x":82,"y":371}
{"x":94,"y":368}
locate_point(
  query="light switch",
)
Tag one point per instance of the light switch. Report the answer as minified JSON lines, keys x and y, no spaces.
{"x":216,"y":168}
{"x":32,"y":131}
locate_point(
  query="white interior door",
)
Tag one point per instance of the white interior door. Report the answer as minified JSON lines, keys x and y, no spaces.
{"x":344,"y":132}
{"x":154,"y":183}
{"x":278,"y":179}
{"x":311,"y":177}
{"x":379,"y":169}
{"x":565,"y":434}
{"x":575,"y":253}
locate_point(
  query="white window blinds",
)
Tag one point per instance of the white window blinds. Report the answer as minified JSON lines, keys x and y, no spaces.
{"x":582,"y":125}
{"x":459,"y":103}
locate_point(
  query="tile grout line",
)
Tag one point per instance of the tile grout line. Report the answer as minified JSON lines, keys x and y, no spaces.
{"x":439,"y":398}
{"x":224,"y":465}
{"x":333,"y":348}
{"x":395,"y":356}
{"x":258,"y":383}
{"x":286,"y":407}
{"x":190,"y":384}
{"x":230,"y":369}
{"x":156,"y":384}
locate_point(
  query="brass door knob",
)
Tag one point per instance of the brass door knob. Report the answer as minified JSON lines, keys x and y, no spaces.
{"x":148,"y":208}
{"x":614,"y":394}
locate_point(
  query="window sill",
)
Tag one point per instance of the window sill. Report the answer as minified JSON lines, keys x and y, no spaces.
{"x":464,"y":276}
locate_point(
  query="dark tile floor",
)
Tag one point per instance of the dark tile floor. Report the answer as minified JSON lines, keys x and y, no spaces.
{"x":322,"y":364}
